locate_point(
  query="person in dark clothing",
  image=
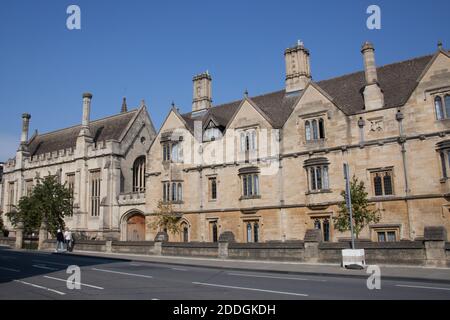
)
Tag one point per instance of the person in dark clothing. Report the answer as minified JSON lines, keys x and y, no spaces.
{"x":59,"y":241}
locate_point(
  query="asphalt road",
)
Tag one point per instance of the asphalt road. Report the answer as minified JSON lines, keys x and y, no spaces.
{"x":37,"y":275}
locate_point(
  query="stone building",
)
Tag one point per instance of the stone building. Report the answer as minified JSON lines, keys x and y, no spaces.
{"x":102,"y":162}
{"x":267,"y":168}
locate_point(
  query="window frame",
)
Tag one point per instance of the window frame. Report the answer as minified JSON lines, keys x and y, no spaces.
{"x":314,"y":129}
{"x":95,"y":192}
{"x":381,"y":174}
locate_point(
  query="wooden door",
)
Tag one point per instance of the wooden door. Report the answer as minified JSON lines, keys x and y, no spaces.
{"x":136,"y":228}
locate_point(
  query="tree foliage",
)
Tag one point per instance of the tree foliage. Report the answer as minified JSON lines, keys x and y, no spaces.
{"x":166,"y":218}
{"x":48,"y":202}
{"x":361,"y":209}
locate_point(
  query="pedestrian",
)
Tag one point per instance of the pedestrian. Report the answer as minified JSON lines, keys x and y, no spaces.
{"x":68,"y":239}
{"x":59,"y":241}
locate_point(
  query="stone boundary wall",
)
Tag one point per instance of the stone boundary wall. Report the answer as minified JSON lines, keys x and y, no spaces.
{"x":433,"y":250}
{"x":288,"y":251}
{"x":193,"y":249}
{"x":402,"y":252}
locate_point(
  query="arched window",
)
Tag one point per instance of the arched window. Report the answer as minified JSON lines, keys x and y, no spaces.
{"x":439,"y":108}
{"x":249,"y":232}
{"x":174,"y":192}
{"x":256,"y":232}
{"x":139,"y":175}
{"x":387,"y":181}
{"x":307,"y":131}
{"x":185,"y":232}
{"x":377,"y":185}
{"x":315,"y":130}
{"x":214,"y":232}
{"x":180,"y":192}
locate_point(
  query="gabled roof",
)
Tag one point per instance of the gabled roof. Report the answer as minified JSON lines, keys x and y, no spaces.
{"x":109,"y":128}
{"x":397,"y":80}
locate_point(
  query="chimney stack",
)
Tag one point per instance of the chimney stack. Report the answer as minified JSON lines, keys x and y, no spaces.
{"x":87,"y":97}
{"x":25,"y":127}
{"x":298,"y":70}
{"x":373,"y":96}
{"x":202,"y":97}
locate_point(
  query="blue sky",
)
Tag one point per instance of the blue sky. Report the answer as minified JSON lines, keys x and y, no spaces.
{"x":151,"y":49}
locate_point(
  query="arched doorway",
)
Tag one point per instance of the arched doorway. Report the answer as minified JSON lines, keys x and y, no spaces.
{"x":136,"y":227}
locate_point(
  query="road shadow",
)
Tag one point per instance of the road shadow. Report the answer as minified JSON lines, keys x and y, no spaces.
{"x":22,"y":264}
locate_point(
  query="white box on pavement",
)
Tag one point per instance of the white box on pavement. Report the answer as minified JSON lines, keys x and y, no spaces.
{"x":353,"y":256}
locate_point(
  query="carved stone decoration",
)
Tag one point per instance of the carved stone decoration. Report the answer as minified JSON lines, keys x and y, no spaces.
{"x":376,"y":125}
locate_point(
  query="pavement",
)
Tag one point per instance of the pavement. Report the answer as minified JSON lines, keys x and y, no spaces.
{"x":44,"y":275}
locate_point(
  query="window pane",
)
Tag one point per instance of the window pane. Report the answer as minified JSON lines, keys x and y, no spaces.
{"x":214,"y":232}
{"x":326,"y":230}
{"x":253,"y":140}
{"x":381,"y":237}
{"x":256,"y":232}
{"x":180,"y":192}
{"x":447,"y":106}
{"x":249,"y":185}
{"x":325,"y":178}
{"x":255,"y":184}
{"x":313,"y":179}
{"x":315,"y":130}
{"x":377,"y":185}
{"x":244,"y":185}
{"x":391,"y":236}
{"x":249,"y":232}
{"x":321,"y":129}
{"x":307,"y":131}
{"x":439,"y":108}
{"x":319,"y":177}
{"x":174,"y":191}
{"x":444,"y":168}
{"x":242,"y":141}
{"x":387,"y":184}
{"x":317,"y":224}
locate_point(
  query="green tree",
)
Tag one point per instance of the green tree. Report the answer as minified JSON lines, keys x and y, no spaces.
{"x":361,"y":212}
{"x":48,"y":202}
{"x":166,"y":218}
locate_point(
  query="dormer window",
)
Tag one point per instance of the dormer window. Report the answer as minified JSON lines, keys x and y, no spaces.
{"x":212,"y":134}
{"x":442,"y":106}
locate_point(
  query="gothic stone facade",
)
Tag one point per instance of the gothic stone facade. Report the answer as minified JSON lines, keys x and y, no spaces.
{"x":267,"y":168}
{"x":102,"y":162}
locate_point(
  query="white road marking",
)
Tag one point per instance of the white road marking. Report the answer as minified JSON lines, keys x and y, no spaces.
{"x":9,"y":269}
{"x":49,"y":262}
{"x":250,"y":289}
{"x":135,"y":264}
{"x":124,"y":273}
{"x":82,"y":284}
{"x":155,"y":299}
{"x":43,"y":267}
{"x":40,"y":287}
{"x":179,"y":269}
{"x":273,"y":277}
{"x":421,"y":287}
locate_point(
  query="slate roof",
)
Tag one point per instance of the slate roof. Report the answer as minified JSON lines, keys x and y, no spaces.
{"x":397,"y":80}
{"x":109,"y":128}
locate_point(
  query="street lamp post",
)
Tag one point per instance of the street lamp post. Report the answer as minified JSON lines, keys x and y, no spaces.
{"x":348,"y":200}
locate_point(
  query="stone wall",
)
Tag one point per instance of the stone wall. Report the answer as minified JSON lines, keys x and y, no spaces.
{"x":289,"y":251}
{"x":7,"y":241}
{"x":402,"y":252}
{"x":192,"y":249}
{"x":432,"y":251}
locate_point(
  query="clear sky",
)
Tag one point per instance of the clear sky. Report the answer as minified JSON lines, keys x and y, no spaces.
{"x":151,"y":49}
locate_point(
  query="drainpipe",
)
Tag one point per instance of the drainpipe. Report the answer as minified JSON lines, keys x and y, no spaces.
{"x":402,"y":141}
